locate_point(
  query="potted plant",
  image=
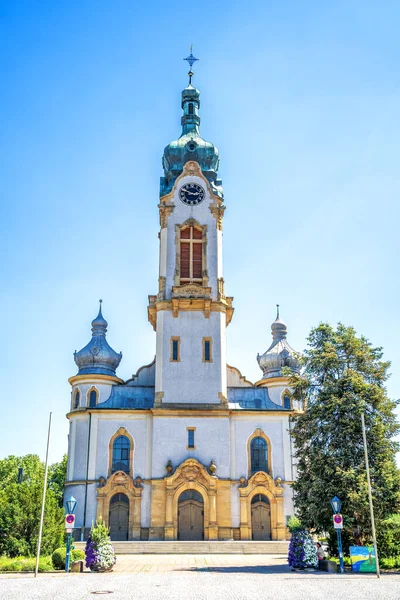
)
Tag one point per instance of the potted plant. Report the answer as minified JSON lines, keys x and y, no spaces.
{"x":100,"y":555}
{"x":302,"y":552}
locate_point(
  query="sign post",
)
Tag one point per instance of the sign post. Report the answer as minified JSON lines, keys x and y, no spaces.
{"x":338,"y":525}
{"x":69,"y":524}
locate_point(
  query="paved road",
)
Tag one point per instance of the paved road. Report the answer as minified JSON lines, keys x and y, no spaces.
{"x":200,"y":577}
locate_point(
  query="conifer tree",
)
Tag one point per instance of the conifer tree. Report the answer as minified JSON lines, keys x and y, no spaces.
{"x":343,"y":376}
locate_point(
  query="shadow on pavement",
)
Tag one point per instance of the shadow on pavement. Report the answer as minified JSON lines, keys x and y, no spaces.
{"x":260,"y":569}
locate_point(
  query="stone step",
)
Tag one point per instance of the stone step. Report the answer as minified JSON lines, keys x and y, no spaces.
{"x":206,"y":547}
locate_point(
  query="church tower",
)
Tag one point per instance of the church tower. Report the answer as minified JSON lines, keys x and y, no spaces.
{"x":190,"y":312}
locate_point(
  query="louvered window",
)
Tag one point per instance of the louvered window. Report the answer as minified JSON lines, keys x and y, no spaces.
{"x":191,"y":246}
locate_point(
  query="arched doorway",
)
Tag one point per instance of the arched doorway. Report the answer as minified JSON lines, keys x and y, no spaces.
{"x":119,"y":518}
{"x":260,"y":517}
{"x":190,"y":516}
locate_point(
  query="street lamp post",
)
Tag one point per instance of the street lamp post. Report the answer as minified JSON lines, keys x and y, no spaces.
{"x":69,"y":522}
{"x":336,"y":504}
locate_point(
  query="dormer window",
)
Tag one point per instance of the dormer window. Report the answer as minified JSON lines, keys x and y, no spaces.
{"x":191,"y":255}
{"x":286,"y":402}
{"x":93,"y":398}
{"x":77,"y":397}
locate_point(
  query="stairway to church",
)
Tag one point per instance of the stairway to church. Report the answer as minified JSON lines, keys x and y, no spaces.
{"x":206,"y":547}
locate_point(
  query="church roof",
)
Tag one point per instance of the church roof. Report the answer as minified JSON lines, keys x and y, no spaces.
{"x":280,"y":353}
{"x":97,"y":357}
{"x":190,"y":146}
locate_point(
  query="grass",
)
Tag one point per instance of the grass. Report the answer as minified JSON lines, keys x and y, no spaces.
{"x":23,"y":563}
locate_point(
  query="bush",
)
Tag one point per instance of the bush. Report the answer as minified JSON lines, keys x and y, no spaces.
{"x":390,"y":563}
{"x":388,"y":536}
{"x":293,"y":523}
{"x":58,"y":557}
{"x":22,"y":563}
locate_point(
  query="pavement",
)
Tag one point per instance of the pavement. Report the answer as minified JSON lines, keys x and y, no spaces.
{"x":200,"y":577}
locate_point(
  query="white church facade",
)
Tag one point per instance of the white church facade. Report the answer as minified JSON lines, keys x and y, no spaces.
{"x":187,"y":449}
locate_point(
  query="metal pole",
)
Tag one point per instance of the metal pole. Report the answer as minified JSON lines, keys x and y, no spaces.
{"x":371,"y":508}
{"x":43,"y":500}
{"x":340,"y":548}
{"x":67,"y":555}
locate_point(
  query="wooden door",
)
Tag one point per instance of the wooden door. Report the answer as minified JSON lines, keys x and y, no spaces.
{"x":190,"y":521}
{"x":261,"y":521}
{"x":119,"y":518}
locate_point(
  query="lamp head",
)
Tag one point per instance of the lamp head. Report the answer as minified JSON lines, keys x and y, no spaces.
{"x":336,"y":504}
{"x":71,"y":505}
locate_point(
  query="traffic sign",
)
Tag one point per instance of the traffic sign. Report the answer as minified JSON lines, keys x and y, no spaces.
{"x":68,"y":531}
{"x":69,"y":521}
{"x":338,"y":521}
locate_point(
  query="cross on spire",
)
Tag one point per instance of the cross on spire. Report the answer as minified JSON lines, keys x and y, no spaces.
{"x":191,"y":60}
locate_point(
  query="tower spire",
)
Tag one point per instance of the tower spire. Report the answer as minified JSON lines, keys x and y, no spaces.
{"x":191,"y":60}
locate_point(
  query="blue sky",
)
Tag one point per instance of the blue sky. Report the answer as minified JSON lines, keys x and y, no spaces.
{"x":302,"y":100}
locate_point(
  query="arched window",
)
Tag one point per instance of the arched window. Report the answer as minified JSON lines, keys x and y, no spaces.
{"x":258,"y":455}
{"x":93,"y":396}
{"x":120,"y":454}
{"x":191,"y":250}
{"x":77,"y":397}
{"x":191,"y":112}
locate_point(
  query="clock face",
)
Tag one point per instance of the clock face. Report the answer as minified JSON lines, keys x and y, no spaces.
{"x":191,"y":194}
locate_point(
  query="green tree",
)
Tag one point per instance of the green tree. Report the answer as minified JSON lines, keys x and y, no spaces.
{"x":343,"y":376}
{"x":20,"y":506}
{"x":57,"y":477}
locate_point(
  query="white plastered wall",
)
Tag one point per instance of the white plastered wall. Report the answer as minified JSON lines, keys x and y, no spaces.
{"x":191,"y":380}
{"x":170,"y":437}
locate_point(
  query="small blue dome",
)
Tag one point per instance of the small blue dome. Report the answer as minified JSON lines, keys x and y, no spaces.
{"x":190,"y":146}
{"x":97,"y":357}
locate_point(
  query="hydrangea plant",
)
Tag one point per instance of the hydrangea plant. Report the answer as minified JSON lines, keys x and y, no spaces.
{"x":99,"y":552}
{"x":302,"y":552}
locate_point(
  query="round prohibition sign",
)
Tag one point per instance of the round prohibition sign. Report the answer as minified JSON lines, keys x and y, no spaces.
{"x":338,"y":521}
{"x":70,"y":519}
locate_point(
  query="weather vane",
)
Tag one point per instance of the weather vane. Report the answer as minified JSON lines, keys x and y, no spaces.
{"x":191,"y":60}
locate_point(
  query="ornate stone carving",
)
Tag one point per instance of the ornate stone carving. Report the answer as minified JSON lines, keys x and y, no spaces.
{"x":138,"y":482}
{"x":161,"y":288}
{"x":102,"y":481}
{"x":212,"y":468}
{"x":169,"y":468}
{"x":278,"y":482}
{"x":192,"y":168}
{"x":191,"y":290}
{"x":191,"y":472}
{"x":165,"y":211}
{"x":243,"y":482}
{"x":218,"y":213}
{"x":221,"y":292}
{"x":120,"y":478}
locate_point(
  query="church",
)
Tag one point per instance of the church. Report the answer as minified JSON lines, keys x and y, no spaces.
{"x":187,"y":449}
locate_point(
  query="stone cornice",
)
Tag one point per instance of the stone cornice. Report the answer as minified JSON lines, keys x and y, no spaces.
{"x":94,"y":377}
{"x":188,"y":304}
